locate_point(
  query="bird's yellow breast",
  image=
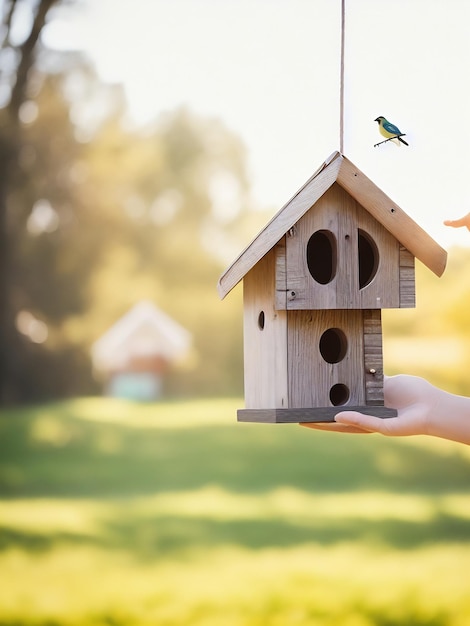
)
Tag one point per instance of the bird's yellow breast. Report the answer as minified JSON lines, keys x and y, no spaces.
{"x":386,"y":133}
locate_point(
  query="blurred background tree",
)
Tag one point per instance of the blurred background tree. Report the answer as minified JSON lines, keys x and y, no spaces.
{"x":21,"y":28}
{"x":95,"y":215}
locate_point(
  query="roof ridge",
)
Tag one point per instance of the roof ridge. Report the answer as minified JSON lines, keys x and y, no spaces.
{"x":336,"y":168}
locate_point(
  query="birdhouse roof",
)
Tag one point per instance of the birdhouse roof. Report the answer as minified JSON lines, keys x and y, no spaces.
{"x":144,"y":331}
{"x":337,"y":169}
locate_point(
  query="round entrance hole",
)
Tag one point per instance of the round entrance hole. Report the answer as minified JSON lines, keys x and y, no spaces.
{"x":368,"y":257}
{"x":339,"y":394}
{"x":261,"y":320}
{"x":333,"y":345}
{"x":321,"y":256}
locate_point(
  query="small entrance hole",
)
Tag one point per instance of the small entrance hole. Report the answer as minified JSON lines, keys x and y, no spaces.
{"x":321,"y":256}
{"x":368,"y":257}
{"x":333,"y":345}
{"x":339,"y":394}
{"x":261,"y":320}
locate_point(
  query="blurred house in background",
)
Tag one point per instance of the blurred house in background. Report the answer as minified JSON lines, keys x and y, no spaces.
{"x":135,"y":353}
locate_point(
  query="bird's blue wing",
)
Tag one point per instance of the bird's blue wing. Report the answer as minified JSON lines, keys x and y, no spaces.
{"x":391,"y":128}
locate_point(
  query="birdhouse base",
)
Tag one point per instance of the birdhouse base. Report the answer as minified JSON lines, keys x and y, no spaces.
{"x":319,"y":414}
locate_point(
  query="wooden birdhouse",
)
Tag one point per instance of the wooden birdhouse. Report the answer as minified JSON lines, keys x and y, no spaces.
{"x":314,"y":282}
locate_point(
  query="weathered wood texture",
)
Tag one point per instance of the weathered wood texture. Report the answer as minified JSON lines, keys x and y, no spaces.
{"x":299,"y":416}
{"x":407,"y":279}
{"x":373,"y":357}
{"x":339,"y":217}
{"x":265,"y":339}
{"x":311,"y":377}
{"x":280,"y":275}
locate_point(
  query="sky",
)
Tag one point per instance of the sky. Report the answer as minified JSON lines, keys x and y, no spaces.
{"x":270,"y":69}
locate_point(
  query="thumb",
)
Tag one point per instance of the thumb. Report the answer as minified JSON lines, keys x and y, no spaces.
{"x":367,"y":422}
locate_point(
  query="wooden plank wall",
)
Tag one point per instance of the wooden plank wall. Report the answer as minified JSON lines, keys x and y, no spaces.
{"x":373,"y":357}
{"x":310,"y":376}
{"x":339,"y":214}
{"x":407,"y":279}
{"x":265,"y":349}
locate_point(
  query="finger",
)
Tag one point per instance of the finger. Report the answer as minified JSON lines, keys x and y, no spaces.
{"x":454,"y":223}
{"x":368,"y":423}
{"x":463,"y":221}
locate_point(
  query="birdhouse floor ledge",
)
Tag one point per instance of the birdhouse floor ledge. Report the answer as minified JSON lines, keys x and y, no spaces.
{"x":318,"y":415}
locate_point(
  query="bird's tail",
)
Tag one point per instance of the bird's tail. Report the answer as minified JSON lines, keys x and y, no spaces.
{"x":403,"y":141}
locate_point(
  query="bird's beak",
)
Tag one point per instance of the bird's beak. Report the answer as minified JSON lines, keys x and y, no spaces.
{"x":376,"y":119}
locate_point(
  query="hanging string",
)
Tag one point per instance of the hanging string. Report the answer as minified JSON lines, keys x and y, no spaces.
{"x":341,"y":87}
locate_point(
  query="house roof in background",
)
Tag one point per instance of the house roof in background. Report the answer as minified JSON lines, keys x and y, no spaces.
{"x":145,"y":331}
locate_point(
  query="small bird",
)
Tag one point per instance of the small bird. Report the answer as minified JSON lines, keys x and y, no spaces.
{"x":389,"y":130}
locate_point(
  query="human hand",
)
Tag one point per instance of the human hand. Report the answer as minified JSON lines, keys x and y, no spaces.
{"x":414,"y":399}
{"x":463,"y":221}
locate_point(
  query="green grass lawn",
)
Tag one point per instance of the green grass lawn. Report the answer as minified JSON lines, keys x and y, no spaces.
{"x":114,"y":513}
